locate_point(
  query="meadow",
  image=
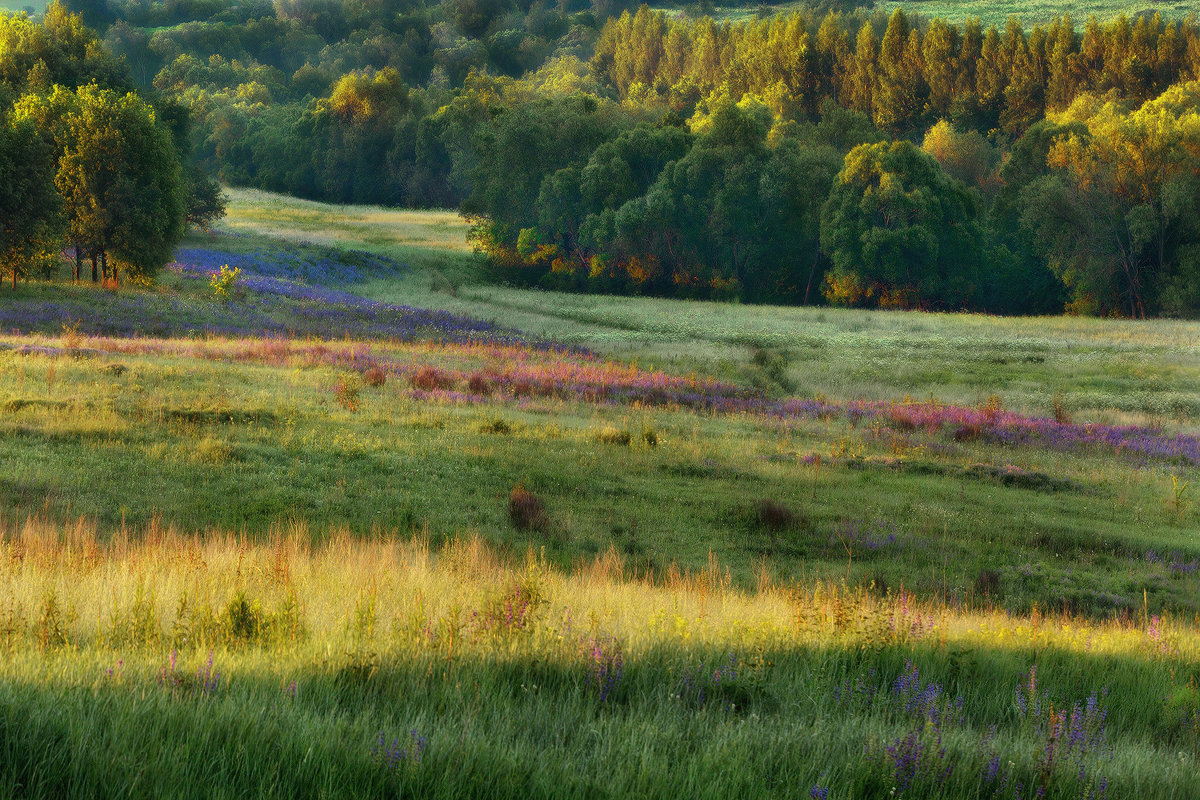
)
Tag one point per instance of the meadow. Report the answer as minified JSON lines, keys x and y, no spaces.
{"x":991,"y":12}
{"x":367,"y":522}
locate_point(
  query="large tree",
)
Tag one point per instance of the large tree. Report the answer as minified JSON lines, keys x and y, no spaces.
{"x":1116,"y":219}
{"x":118,"y":174}
{"x":30,"y":224}
{"x":900,"y":231}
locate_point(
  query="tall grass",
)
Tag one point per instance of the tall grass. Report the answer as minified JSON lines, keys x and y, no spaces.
{"x":215,"y":666}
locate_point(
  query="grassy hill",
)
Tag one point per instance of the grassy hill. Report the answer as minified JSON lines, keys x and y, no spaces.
{"x":991,"y":12}
{"x":371,"y":515}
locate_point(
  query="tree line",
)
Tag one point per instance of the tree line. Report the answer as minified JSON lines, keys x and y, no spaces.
{"x":921,"y":169}
{"x":903,"y":71}
{"x":87,"y":163}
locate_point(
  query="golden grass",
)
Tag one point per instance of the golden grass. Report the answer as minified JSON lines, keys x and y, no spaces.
{"x":408,"y":586}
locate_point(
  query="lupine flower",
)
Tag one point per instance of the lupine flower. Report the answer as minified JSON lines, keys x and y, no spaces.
{"x":392,"y":756}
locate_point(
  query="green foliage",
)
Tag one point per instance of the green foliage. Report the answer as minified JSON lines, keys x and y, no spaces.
{"x":57,"y":51}
{"x":114,"y":159}
{"x":118,"y":174}
{"x":204,"y":203}
{"x":30,"y":218}
{"x":1117,"y":217}
{"x":900,"y":231}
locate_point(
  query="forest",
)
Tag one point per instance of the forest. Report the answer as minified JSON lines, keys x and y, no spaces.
{"x":824,"y":155}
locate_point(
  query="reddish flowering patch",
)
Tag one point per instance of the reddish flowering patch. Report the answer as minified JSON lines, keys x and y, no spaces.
{"x":432,"y":379}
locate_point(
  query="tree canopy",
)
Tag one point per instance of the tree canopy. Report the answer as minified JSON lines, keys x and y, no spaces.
{"x":86,"y":156}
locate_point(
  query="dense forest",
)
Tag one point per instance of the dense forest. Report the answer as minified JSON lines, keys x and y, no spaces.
{"x":827,"y":155}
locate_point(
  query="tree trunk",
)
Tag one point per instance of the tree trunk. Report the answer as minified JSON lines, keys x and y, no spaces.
{"x":95,"y":273}
{"x":104,"y":264}
{"x":77,"y":258}
{"x":812,"y":273}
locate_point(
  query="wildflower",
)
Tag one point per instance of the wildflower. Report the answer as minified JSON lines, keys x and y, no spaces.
{"x":392,"y":756}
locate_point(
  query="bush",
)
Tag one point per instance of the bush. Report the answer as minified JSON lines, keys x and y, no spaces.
{"x":375,"y":377}
{"x":495,"y":425}
{"x":346,"y":391}
{"x":225,"y":281}
{"x":526,"y":510}
{"x":431,"y":379}
{"x":612,"y":435}
{"x":774,"y":516}
{"x":478,"y":384}
{"x":987,"y":583}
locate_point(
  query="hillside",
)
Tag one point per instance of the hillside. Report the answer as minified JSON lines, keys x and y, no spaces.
{"x":655,"y":522}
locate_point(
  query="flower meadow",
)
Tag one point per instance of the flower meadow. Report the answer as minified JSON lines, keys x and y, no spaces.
{"x":285,"y":293}
{"x":288,"y":293}
{"x":263,"y":536}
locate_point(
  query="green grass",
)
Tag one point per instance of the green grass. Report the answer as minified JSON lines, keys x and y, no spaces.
{"x":199,"y":442}
{"x":187,"y":668}
{"x":205,"y":494}
{"x":991,"y":12}
{"x":1100,"y":370}
{"x":994,"y":12}
{"x":15,"y":6}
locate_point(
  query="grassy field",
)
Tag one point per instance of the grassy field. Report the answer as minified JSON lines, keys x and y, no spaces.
{"x":186,"y":667}
{"x":1032,"y":13}
{"x":583,"y":546}
{"x":997,"y":12}
{"x":14,"y":6}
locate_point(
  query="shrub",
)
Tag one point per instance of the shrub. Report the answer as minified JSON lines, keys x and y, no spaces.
{"x":526,"y":510}
{"x":495,"y":425}
{"x":991,"y":407}
{"x":987,"y":583}
{"x":968,"y":432}
{"x":431,"y":379}
{"x":775,"y":516}
{"x":479,"y":384}
{"x":225,"y":281}
{"x":242,"y":619}
{"x":346,"y":391}
{"x":375,"y":377}
{"x":1061,"y":415}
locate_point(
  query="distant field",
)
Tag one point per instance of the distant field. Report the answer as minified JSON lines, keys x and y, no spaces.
{"x":1102,"y":370}
{"x":997,"y":12}
{"x":1030,"y":13}
{"x":23,"y":5}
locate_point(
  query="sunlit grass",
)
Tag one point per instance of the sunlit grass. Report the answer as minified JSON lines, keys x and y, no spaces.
{"x":243,"y":433}
{"x":550,"y":682}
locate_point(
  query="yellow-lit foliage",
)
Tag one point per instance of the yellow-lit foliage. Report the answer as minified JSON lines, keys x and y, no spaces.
{"x":160,"y":585}
{"x":368,"y":96}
